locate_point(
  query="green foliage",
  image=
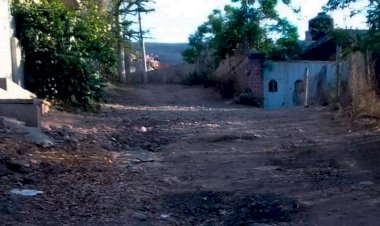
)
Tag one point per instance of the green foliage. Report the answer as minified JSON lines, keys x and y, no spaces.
{"x":125,"y":13}
{"x":349,"y":42}
{"x":287,"y":46}
{"x":249,"y":25}
{"x":372,"y":40}
{"x":319,"y":28}
{"x":190,"y":55}
{"x":129,"y":9}
{"x":132,"y":7}
{"x":66,"y":52}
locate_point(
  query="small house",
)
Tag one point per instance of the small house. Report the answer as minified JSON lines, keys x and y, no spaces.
{"x":283,"y":84}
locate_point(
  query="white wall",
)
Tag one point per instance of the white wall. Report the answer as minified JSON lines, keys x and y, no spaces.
{"x":5,"y":35}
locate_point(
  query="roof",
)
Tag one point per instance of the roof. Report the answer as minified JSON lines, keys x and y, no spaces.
{"x":325,"y":47}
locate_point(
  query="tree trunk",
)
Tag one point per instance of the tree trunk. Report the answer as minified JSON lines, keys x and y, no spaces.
{"x":120,"y":48}
{"x":145,"y":69}
{"x":127,"y":64}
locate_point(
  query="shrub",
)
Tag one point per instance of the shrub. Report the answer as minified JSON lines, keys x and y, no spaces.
{"x":66,"y":52}
{"x":227,"y":90}
{"x":248,"y":98}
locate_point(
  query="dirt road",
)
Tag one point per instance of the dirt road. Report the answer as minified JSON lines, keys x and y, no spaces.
{"x":175,"y":155}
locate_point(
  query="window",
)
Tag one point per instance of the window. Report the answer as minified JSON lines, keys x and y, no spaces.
{"x":272,"y":86}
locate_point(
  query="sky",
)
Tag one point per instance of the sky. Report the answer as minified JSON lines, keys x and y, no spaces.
{"x":174,"y":20}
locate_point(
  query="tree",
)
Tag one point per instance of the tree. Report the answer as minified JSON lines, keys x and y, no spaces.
{"x":372,"y":42}
{"x":66,"y":52}
{"x":124,"y":11}
{"x":252,"y":25}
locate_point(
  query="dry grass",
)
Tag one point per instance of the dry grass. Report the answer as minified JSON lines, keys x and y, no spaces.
{"x":365,"y":101}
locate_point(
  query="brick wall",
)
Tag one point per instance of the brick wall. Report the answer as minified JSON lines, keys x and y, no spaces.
{"x":256,"y":74}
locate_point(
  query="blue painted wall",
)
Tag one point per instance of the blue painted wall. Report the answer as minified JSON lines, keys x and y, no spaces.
{"x":286,"y":74}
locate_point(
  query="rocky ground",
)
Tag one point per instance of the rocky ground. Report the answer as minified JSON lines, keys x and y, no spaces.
{"x":177,"y":155}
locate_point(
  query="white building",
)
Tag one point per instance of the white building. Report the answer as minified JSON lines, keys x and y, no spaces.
{"x":5,"y":40}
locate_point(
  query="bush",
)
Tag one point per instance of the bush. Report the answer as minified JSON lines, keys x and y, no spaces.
{"x":198,"y":79}
{"x":227,"y":90}
{"x":248,"y":98}
{"x":66,"y":52}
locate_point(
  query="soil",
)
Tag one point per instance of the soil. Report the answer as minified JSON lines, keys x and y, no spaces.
{"x":180,"y":155}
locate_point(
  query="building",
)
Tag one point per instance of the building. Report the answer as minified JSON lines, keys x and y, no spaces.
{"x":283,"y":84}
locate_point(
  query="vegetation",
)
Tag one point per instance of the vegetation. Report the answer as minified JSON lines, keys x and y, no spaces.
{"x":252,"y":24}
{"x":66,"y":52}
{"x":124,"y":11}
{"x":359,"y":96}
{"x":370,"y":41}
{"x":70,"y":53}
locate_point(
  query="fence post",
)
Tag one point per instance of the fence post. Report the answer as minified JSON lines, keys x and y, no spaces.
{"x":307,"y":88}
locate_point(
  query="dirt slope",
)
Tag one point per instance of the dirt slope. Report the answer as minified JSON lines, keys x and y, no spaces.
{"x":175,"y":155}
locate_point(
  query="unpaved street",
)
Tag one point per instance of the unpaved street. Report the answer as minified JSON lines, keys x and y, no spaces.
{"x":178,"y":155}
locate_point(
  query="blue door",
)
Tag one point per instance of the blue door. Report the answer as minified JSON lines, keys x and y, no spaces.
{"x":274,"y":94}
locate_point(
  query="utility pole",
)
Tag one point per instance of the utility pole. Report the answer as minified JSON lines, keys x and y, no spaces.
{"x":307,"y":90}
{"x":145,"y":69}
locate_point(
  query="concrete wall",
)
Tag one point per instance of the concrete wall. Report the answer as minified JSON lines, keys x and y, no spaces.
{"x":11,"y":90}
{"x":172,"y":75}
{"x":10,"y":50}
{"x":235,"y":69}
{"x":28,"y":111}
{"x":245,"y":70}
{"x":15,"y":102}
{"x":17,"y":62}
{"x":290,"y":78}
{"x":5,"y":41}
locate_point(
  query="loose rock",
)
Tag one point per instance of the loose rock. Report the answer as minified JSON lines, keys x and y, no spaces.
{"x":140,"y":216}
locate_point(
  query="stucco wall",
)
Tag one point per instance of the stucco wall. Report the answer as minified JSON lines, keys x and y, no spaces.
{"x":176,"y":74}
{"x":290,"y":79}
{"x":5,"y":44}
{"x":245,"y":70}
